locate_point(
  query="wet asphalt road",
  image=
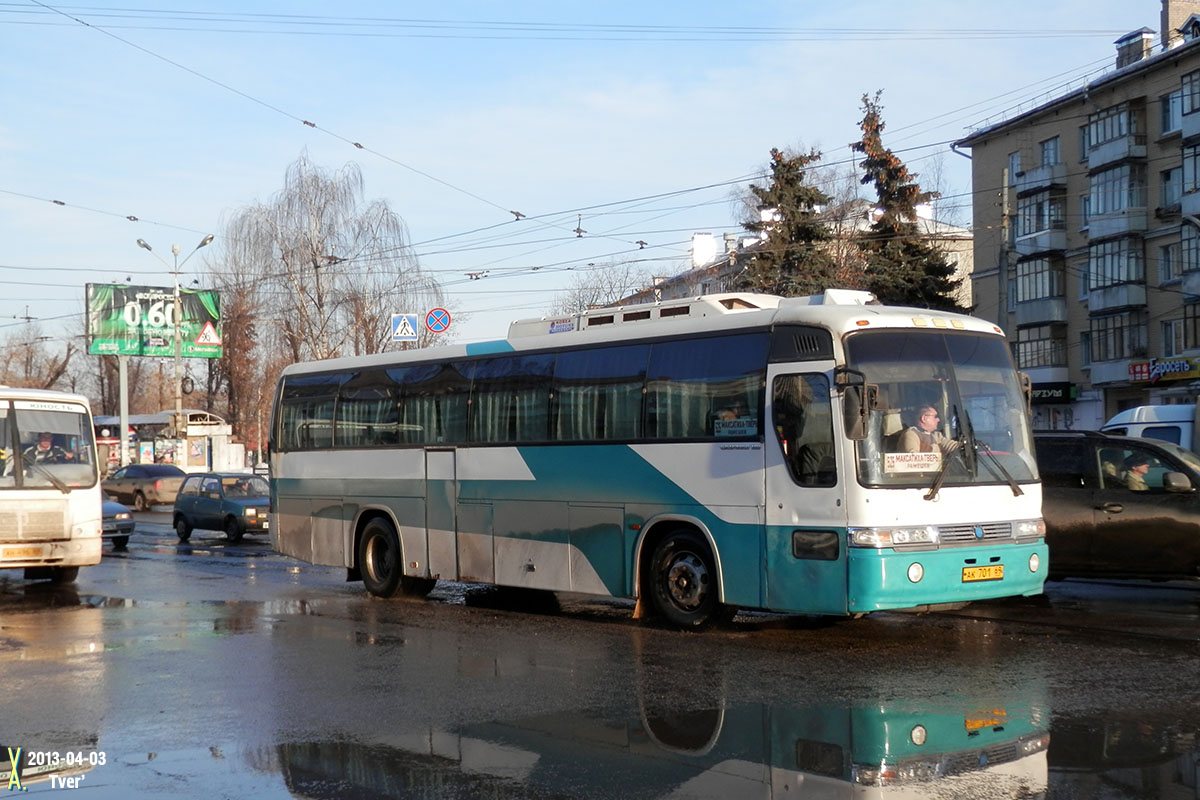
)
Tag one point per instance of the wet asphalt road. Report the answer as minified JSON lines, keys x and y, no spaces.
{"x":220,"y":670}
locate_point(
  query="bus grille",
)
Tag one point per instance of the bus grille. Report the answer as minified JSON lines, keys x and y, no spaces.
{"x":965,"y":534}
{"x":21,"y":525}
{"x":959,"y":763}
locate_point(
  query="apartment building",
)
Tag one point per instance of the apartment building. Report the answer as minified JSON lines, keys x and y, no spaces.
{"x":717,"y":266}
{"x":1087,"y":231}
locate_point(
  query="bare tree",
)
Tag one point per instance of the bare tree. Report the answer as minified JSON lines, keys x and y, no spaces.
{"x":601,"y":285}
{"x":27,"y":358}
{"x":314,"y":273}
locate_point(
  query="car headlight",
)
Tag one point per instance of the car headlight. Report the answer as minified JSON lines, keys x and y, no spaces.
{"x":124,"y":515}
{"x":251,"y":512}
{"x":891,"y":537}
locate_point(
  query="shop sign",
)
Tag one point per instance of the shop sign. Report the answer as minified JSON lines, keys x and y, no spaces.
{"x":1165,"y":369}
{"x":1053,"y":393}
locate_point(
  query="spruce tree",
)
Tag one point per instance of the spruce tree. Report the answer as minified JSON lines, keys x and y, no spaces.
{"x":792,"y":259}
{"x":902,"y":266}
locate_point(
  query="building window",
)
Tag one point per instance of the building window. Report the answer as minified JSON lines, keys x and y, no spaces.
{"x":1172,"y":335}
{"x":1041,"y":346}
{"x":1038,"y":278}
{"x":1190,"y":91}
{"x":1172,"y":186}
{"x":1085,"y":210}
{"x":1084,"y":280}
{"x":1014,"y":165}
{"x":1049,"y":152}
{"x":1114,"y":122}
{"x":1115,"y":262}
{"x":1084,"y":145}
{"x":1085,"y":349}
{"x":1191,"y":326}
{"x":1169,"y":264}
{"x":1039,"y":212}
{"x":1118,"y":188}
{"x":1191,"y":168}
{"x":1189,"y":245}
{"x":1118,"y":336}
{"x":1172,"y":112}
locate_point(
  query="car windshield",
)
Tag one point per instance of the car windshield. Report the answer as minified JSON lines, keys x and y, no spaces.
{"x":1183,"y":454}
{"x":245,"y":486}
{"x":54,"y":446}
{"x":948,"y":403}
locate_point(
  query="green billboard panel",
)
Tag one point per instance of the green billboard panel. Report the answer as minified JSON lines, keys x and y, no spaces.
{"x":140,"y":321}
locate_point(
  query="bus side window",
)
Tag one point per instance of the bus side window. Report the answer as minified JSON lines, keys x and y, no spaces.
{"x":803,"y":422}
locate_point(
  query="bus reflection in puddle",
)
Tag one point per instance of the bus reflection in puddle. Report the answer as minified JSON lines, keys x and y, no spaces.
{"x":744,"y":750}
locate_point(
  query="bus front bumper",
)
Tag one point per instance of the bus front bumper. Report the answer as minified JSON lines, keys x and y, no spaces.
{"x":890,"y":579}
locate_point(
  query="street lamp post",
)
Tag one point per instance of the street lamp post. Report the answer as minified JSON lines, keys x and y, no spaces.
{"x":177,"y":423}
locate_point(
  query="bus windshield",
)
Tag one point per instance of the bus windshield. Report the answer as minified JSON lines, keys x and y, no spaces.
{"x":46,"y":445}
{"x":948,"y":408}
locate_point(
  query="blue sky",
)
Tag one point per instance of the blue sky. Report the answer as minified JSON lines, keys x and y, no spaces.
{"x":180,"y":113}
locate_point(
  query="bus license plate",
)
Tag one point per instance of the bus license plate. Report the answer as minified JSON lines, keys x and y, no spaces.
{"x":20,"y":552}
{"x":992,"y":573}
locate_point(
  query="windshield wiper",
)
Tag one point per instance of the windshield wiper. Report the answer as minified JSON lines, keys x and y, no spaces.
{"x":940,"y":478}
{"x":987,"y":451}
{"x":58,"y":484}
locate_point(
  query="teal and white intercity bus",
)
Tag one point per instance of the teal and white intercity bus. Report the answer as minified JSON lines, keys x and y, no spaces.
{"x":727,"y":451}
{"x":49,"y":500}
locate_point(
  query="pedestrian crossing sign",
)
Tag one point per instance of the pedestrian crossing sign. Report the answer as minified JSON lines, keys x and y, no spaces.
{"x":404,"y":327}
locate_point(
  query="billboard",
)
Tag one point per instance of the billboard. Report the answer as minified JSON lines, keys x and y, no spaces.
{"x":140,"y":321}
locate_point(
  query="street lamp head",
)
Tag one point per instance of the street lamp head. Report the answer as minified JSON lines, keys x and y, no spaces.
{"x":142,"y":244}
{"x":207,"y":240}
{"x":174,"y":249}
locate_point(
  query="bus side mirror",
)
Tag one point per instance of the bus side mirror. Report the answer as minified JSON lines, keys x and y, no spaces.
{"x":1027,"y":391}
{"x":859,"y":398}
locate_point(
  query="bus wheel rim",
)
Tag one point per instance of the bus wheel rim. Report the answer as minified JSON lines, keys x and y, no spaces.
{"x":687,"y":581}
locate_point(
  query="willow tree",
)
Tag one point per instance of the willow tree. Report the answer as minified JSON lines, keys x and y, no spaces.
{"x":315,"y":273}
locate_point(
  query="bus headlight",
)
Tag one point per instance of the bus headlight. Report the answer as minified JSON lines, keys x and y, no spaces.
{"x":1030,"y":529}
{"x":892,"y":537}
{"x":918,"y":735}
{"x":1034,"y":562}
{"x":916,"y":572}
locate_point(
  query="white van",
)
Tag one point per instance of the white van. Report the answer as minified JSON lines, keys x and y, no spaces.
{"x":1170,"y":423}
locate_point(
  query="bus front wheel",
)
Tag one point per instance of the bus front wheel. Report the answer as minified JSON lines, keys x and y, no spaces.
{"x":61,"y":575}
{"x":683,"y":581}
{"x":379,"y":558}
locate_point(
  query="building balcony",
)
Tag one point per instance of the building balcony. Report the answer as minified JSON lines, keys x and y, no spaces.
{"x":1118,"y":223}
{"x":1041,"y":178}
{"x":1127,"y":148}
{"x":1103,"y":372}
{"x":1047,"y":241}
{"x":1191,"y":126}
{"x":1041,"y":312}
{"x":1048,"y":374}
{"x":1189,"y":204}
{"x":1123,"y":295}
{"x":1190,"y":283}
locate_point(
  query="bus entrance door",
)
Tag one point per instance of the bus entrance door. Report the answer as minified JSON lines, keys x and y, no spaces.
{"x":805,"y":505}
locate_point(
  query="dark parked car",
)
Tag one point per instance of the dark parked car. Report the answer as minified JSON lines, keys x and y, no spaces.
{"x":144,"y":485}
{"x":1119,"y":506}
{"x":117,"y":523}
{"x":234,"y":502}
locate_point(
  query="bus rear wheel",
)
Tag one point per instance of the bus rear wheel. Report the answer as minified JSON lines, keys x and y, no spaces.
{"x":379,"y":558}
{"x":683,"y":581}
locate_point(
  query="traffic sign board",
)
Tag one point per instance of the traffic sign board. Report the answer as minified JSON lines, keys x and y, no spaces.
{"x":437,"y":320}
{"x":404,"y":327}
